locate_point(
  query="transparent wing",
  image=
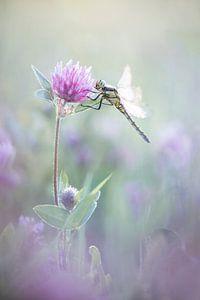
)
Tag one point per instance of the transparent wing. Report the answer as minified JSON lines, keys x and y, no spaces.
{"x":133,"y":109}
{"x":131,"y":97}
{"x":126,"y":78}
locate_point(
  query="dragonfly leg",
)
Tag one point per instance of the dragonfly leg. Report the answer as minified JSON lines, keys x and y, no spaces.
{"x":99,"y":94}
{"x":93,"y":106}
{"x":94,"y":92}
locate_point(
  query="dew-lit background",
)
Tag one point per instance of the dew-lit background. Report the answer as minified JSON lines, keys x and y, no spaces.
{"x":153,"y":185}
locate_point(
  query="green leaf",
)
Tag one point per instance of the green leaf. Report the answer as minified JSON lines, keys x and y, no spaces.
{"x":100,"y":185}
{"x":87,"y":184}
{"x":44,"y":94}
{"x":53,"y":215}
{"x":80,"y":195}
{"x":82,"y":212}
{"x":84,"y":106}
{"x":43,"y":81}
{"x":63,"y":181}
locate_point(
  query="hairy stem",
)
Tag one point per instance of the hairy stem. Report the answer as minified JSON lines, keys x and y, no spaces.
{"x":55,"y":167}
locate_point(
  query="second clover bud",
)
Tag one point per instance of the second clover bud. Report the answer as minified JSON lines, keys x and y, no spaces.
{"x":67,"y":198}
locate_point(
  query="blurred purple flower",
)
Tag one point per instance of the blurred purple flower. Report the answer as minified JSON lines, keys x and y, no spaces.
{"x":7,"y":154}
{"x":71,"y":82}
{"x":10,"y":179}
{"x":32,"y":229}
{"x":72,"y":139}
{"x":175,"y":146}
{"x":84,"y":156}
{"x":30,"y":241}
{"x":121,"y":155}
{"x":137,"y":196}
{"x":161,"y":261}
{"x":58,"y":286}
{"x":82,"y":151}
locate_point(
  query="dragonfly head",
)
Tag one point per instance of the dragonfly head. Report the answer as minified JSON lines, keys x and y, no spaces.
{"x":100,"y":84}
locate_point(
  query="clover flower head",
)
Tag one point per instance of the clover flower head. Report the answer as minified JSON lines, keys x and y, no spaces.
{"x":72,"y":82}
{"x":67,"y":198}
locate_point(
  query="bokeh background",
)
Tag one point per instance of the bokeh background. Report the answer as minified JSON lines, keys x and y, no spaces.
{"x":153,"y":185}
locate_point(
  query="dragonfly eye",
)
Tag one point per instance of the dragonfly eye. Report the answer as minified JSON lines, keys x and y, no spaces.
{"x":100,"y":84}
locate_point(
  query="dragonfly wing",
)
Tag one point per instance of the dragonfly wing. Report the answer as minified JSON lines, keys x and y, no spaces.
{"x":134,"y":109}
{"x":131,"y":97}
{"x":126,"y":78}
{"x":125,"y":88}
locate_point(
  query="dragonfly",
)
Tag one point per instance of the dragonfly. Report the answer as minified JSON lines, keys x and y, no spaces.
{"x":127,"y":99}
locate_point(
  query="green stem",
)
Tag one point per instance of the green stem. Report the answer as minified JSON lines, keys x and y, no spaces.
{"x":55,"y":168}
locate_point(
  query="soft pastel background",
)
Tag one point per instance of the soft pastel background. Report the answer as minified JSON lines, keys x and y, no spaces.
{"x":153,"y":185}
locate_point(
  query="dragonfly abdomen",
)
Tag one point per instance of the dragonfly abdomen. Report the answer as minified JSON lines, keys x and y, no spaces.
{"x":121,"y":108}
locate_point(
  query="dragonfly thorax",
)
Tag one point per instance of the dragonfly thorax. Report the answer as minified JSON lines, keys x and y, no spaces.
{"x":103,"y":87}
{"x":107,"y":92}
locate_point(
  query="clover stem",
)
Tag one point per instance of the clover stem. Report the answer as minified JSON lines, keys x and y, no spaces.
{"x":55,"y":167}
